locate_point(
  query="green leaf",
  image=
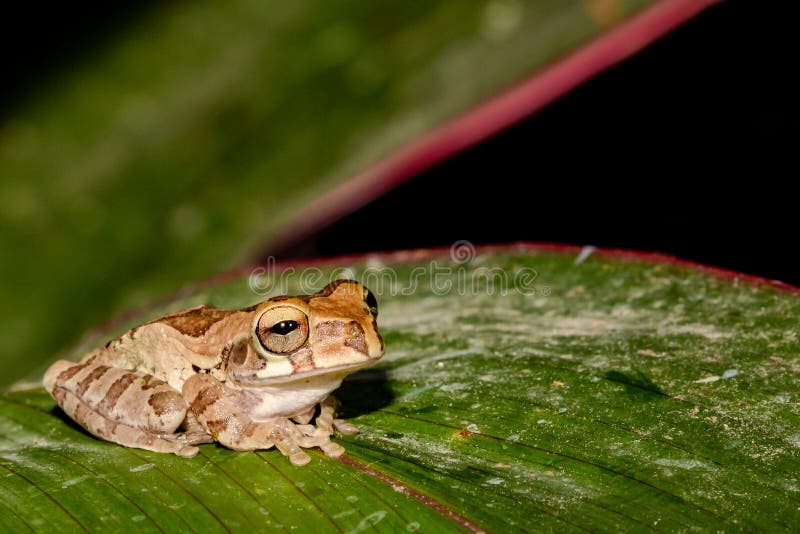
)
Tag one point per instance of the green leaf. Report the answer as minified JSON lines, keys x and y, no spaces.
{"x":191,"y":139}
{"x":613,"y":393}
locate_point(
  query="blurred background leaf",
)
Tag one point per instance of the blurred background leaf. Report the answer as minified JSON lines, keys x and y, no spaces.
{"x":186,"y":141}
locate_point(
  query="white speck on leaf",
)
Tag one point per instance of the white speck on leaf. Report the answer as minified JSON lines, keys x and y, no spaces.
{"x":683,"y":464}
{"x":730,"y":373}
{"x":707,"y":379}
{"x":453,"y":387}
{"x":495,"y":481}
{"x":344,"y":514}
{"x":73,"y":481}
{"x":370,"y":521}
{"x":143,"y":467}
{"x":584,"y":254}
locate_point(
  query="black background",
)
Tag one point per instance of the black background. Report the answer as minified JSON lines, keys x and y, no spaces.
{"x":689,"y":148}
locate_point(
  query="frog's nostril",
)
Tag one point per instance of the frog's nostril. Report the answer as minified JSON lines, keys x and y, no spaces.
{"x":354,"y":329}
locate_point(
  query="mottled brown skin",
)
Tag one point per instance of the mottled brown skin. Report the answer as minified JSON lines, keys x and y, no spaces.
{"x":250,"y":379}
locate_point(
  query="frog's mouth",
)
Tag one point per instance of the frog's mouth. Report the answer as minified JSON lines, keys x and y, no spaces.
{"x":274,"y":373}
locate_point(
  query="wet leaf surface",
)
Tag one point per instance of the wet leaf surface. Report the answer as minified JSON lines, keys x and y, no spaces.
{"x":615,"y":394}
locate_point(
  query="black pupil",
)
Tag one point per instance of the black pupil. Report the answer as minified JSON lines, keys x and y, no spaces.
{"x":284,"y":327}
{"x":372,"y":302}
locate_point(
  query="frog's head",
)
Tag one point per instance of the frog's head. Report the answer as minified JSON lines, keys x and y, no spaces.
{"x":333,"y":332}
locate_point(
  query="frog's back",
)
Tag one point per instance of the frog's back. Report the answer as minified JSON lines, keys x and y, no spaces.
{"x":176,"y":346}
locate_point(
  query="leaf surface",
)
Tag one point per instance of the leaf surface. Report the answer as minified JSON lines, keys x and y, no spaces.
{"x":617,"y":393}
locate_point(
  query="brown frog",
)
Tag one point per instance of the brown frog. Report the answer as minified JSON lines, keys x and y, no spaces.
{"x":249,"y":379}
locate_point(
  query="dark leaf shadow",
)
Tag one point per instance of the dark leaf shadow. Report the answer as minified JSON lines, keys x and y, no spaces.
{"x":364,"y":392}
{"x":636,"y":384}
{"x":58,"y":413}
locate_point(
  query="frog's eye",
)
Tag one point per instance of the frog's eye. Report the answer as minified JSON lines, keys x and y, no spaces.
{"x":282,"y":329}
{"x":371,"y":301}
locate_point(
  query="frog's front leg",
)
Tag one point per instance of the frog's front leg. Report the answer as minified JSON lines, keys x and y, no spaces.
{"x":305,"y":417}
{"x":222,"y":412}
{"x":327,"y":422}
{"x":126,"y":407}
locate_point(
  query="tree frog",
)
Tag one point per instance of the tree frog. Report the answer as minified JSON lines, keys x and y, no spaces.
{"x":249,"y":379}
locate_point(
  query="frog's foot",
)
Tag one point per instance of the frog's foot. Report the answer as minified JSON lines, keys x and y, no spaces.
{"x":216,"y":408}
{"x":189,"y":438}
{"x":192,"y":432}
{"x":343,"y":427}
{"x":325,"y":420}
{"x":331,"y":449}
{"x":319,"y":434}
{"x":316,"y":437}
{"x":305,"y":417}
{"x":125,"y":407}
{"x":289,"y":440}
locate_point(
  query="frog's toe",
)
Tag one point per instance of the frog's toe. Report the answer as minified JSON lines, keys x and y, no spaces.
{"x":348,"y":429}
{"x":308,"y":430}
{"x":334,"y":450}
{"x":305,"y":417}
{"x":187,"y":451}
{"x":289,"y":447}
{"x":193,"y":438}
{"x":299,"y":458}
